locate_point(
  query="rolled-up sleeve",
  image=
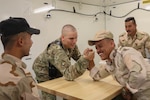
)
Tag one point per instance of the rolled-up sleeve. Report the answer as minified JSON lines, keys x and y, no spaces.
{"x":99,"y":72}
{"x":137,"y":70}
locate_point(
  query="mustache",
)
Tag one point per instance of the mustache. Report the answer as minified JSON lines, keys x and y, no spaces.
{"x":128,"y":31}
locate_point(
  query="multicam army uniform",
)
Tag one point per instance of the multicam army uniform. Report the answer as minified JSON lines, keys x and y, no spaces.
{"x":140,"y":41}
{"x":16,"y":83}
{"x":60,"y":57}
{"x":130,"y":69}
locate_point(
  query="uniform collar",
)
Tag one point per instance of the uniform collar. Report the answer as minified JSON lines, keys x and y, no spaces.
{"x":112,"y":56}
{"x":13,"y":60}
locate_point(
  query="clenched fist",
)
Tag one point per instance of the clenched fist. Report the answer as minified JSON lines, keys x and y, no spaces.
{"x":89,"y":54}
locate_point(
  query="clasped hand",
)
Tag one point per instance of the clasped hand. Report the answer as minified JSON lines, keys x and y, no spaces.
{"x":88,"y":54}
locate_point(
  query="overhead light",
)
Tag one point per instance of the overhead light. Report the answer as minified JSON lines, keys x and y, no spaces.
{"x":43,"y":9}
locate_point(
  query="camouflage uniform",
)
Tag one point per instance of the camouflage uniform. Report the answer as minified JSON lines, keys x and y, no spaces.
{"x":130,"y":69}
{"x":60,"y":57}
{"x":16,"y":83}
{"x":140,"y":42}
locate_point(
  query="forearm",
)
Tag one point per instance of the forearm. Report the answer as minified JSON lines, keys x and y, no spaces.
{"x":98,"y":73}
{"x":137,"y":76}
{"x":41,"y":73}
{"x":72,"y":72}
{"x":136,"y":80}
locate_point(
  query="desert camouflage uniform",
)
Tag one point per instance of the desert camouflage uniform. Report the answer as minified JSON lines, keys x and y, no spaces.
{"x":130,"y":69}
{"x":60,"y":57}
{"x":16,"y":83}
{"x":140,"y":42}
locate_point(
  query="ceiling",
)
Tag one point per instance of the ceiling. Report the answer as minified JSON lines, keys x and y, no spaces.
{"x":101,"y":2}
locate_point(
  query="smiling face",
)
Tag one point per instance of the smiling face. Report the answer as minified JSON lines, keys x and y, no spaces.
{"x":23,"y":43}
{"x":26,"y":44}
{"x":104,"y":48}
{"x":17,"y":45}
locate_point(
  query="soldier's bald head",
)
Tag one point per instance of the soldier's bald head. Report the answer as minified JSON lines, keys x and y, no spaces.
{"x":67,"y":29}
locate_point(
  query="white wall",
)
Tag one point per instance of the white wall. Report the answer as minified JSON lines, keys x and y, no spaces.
{"x":51,"y":27}
{"x":86,"y":25}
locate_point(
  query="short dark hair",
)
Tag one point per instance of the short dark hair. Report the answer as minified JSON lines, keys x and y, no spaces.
{"x":130,"y":19}
{"x":10,"y":39}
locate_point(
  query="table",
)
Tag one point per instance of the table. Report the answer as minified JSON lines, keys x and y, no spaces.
{"x":82,"y":88}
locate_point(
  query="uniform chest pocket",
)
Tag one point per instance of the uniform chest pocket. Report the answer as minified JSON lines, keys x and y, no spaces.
{"x":138,"y":44}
